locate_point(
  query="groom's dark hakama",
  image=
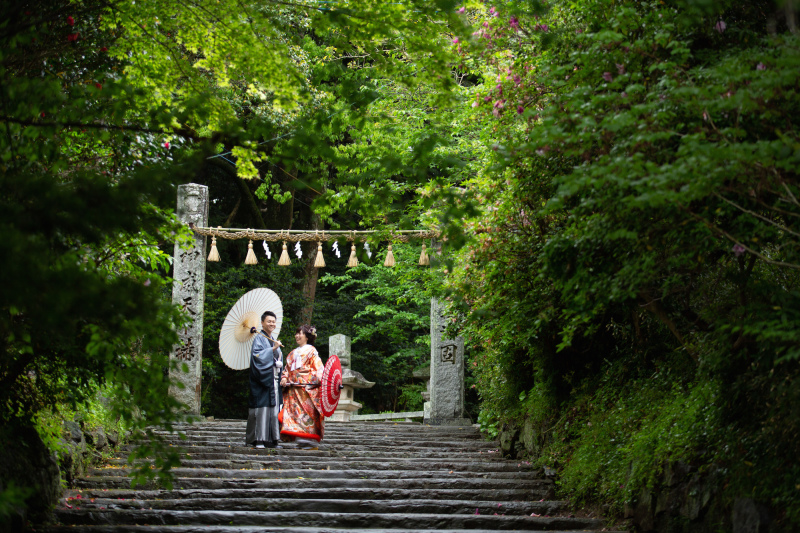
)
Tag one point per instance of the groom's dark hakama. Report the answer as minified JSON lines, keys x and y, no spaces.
{"x":264,"y":402}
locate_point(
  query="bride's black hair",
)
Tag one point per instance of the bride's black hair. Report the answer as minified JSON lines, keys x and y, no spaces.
{"x":309,"y":331}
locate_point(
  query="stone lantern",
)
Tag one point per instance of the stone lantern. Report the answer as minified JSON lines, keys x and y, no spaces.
{"x":340,"y":345}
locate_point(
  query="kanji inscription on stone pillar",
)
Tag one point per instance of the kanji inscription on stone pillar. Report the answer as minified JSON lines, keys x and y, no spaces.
{"x":447,"y":374}
{"x":188,"y":291}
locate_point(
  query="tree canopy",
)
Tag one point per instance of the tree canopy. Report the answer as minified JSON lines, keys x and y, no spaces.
{"x":615,"y":182}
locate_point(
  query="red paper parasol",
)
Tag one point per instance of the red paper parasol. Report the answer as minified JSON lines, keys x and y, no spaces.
{"x":331,"y":385}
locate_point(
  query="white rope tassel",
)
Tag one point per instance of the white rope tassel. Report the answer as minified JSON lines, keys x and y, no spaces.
{"x":284,"y":259}
{"x":319,"y":262}
{"x":423,"y":257}
{"x":353,"y":261}
{"x":389,"y":258}
{"x":251,"y":255}
{"x":213,"y":255}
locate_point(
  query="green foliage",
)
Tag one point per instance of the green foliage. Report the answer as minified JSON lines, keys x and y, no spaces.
{"x":626,"y":426}
{"x":410,"y":398}
{"x":642,"y":211}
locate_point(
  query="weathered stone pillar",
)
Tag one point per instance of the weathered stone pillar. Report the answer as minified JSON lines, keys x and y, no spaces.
{"x":447,"y":374}
{"x":339,"y":345}
{"x":188,"y":291}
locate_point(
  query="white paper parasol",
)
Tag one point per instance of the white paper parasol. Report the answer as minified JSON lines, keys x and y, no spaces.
{"x":235,"y":339}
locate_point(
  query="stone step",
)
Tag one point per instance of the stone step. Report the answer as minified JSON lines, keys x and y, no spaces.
{"x":349,"y":435}
{"x":260,"y":529}
{"x":249,"y":453}
{"x":370,"y":426}
{"x":366,"y":477}
{"x":373,"y":493}
{"x":426,"y":521}
{"x":323,"y":473}
{"x":338,"y":463}
{"x":395,"y":441}
{"x":326,"y":448}
{"x":329,"y":505}
{"x":538,"y":488}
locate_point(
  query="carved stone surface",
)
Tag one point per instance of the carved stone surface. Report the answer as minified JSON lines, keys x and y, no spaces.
{"x":188,"y":291}
{"x":447,"y":374}
{"x":340,"y":345}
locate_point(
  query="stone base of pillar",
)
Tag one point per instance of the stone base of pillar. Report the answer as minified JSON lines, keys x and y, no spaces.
{"x":344,"y":410}
{"x":448,"y":421}
{"x":426,"y":408}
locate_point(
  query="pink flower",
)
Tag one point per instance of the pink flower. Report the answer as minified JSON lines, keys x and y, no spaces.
{"x":166,"y":145}
{"x":517,"y":80}
{"x":624,"y":94}
{"x":487,"y":98}
{"x":462,"y":10}
{"x":607,"y":76}
{"x":475,"y":104}
{"x":498,"y":108}
{"x":761,"y":66}
{"x":738,"y":249}
{"x":514,"y":23}
{"x":520,"y":110}
{"x":72,"y":37}
{"x":720,"y":26}
{"x":493,"y":11}
{"x":98,"y":85}
{"x":104,"y":49}
{"x":620,"y":68}
{"x":456,"y":41}
{"x":70,"y":21}
{"x":147,"y":283}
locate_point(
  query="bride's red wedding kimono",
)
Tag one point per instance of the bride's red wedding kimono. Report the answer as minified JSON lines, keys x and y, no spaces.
{"x":301,"y":414}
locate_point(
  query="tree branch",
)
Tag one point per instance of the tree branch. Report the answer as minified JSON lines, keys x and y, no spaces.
{"x":244,"y":190}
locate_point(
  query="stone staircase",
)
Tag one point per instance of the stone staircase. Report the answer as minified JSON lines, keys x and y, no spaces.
{"x":395,"y":477}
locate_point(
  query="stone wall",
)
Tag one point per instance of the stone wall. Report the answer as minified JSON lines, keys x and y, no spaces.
{"x":83,"y":448}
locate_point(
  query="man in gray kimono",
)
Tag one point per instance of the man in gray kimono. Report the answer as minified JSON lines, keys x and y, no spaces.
{"x":266,"y":362}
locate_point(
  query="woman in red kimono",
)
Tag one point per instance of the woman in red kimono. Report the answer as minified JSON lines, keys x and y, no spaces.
{"x":302,"y":419}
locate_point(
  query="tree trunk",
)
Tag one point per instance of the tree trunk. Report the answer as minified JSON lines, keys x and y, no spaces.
{"x":311,"y":274}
